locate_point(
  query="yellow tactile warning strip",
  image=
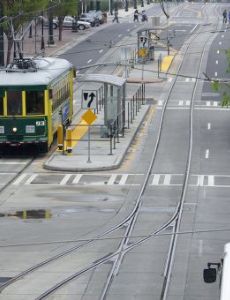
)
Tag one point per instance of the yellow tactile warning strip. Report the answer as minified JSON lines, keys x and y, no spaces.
{"x":166,"y":62}
{"x":75,"y":134}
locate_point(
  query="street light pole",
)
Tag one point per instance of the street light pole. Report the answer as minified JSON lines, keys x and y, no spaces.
{"x":1,"y":38}
{"x":51,"y":33}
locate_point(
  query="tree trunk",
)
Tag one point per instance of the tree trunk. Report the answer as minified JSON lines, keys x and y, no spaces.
{"x":60,"y":28}
{"x":9,"y":48}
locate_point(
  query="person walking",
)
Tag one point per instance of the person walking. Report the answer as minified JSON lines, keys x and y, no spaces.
{"x":144,"y":17}
{"x":225,"y":16}
{"x":136,"y":16}
{"x":116,"y":16}
{"x":229,"y":17}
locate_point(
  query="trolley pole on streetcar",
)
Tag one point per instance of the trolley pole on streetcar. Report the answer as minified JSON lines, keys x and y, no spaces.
{"x":1,"y":38}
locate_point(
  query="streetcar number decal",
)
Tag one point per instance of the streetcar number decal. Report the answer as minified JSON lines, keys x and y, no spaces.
{"x":40,"y":123}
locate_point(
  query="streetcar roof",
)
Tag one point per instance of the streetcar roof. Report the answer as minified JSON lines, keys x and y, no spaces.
{"x":47,"y":70}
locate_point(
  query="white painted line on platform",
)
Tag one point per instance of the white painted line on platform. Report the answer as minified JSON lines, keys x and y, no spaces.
{"x":208,"y":103}
{"x":210,"y":180}
{"x":112,"y":179}
{"x":207,"y":153}
{"x":89,"y":61}
{"x":13,"y":162}
{"x":77,"y":178}
{"x":124,"y":177}
{"x":217,"y":62}
{"x":101,"y":50}
{"x":220,"y":43}
{"x":30,"y":179}
{"x":19,"y":180}
{"x":187,"y":102}
{"x":200,"y":180}
{"x":167,"y":179}
{"x":216,"y":74}
{"x":218,"y":51}
{"x":65,"y":179}
{"x":156,"y":179}
{"x":209,"y":126}
{"x":181,"y":102}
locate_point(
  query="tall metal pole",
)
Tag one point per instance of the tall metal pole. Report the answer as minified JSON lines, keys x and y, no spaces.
{"x":1,"y":38}
{"x":51,"y":33}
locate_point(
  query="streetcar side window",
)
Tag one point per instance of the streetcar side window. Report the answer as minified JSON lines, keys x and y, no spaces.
{"x":1,"y":105}
{"x":14,"y":103}
{"x":35,"y":102}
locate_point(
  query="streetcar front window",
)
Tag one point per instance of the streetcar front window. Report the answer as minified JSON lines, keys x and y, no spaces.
{"x":1,"y":105}
{"x":34,"y":103}
{"x":14,"y":103}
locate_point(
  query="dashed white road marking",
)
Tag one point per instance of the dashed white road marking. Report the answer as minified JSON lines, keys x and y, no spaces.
{"x":65,"y":179}
{"x":215,"y":74}
{"x":180,"y":103}
{"x":167,"y":179}
{"x":207,"y":153}
{"x":220,"y":43}
{"x":112,"y":179}
{"x":218,"y":51}
{"x":89,"y":61}
{"x":77,"y":178}
{"x":217,"y":62}
{"x":200,"y":180}
{"x":209,"y":126}
{"x":156,"y":179}
{"x":101,"y":50}
{"x":123,"y":179}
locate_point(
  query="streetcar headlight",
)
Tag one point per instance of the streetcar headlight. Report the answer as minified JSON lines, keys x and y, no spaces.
{"x":14,"y":129}
{"x":2,"y":129}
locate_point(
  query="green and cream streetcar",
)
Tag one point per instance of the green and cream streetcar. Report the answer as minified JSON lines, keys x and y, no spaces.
{"x":36,"y":95}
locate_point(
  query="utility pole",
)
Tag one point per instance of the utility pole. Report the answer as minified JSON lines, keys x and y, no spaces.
{"x":2,"y":64}
{"x":51,"y":31}
{"x":126,"y":5}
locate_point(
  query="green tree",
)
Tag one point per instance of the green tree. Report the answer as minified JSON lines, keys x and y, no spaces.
{"x":18,"y":13}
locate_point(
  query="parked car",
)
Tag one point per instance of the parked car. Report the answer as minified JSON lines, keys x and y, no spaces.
{"x":98,"y":14}
{"x":92,"y":19}
{"x":69,"y":21}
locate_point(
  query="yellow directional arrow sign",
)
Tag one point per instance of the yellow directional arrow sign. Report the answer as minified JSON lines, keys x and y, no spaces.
{"x":89,"y":117}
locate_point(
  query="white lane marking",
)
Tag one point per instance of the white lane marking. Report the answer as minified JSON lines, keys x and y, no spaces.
{"x":215,"y":103}
{"x":217,"y":62}
{"x":160,"y":102}
{"x":112,"y":179}
{"x":208,"y":103}
{"x":30,"y":179}
{"x":65,"y":179}
{"x":218,"y":51}
{"x":200,"y":247}
{"x":209,"y":126}
{"x":210,"y":180}
{"x":89,"y":61}
{"x":5,"y":174}
{"x":19,"y":179}
{"x":167,"y":179}
{"x":123,"y":179}
{"x":181,"y":102}
{"x":220,"y":43}
{"x":200,"y":180}
{"x":187,"y":102}
{"x":207,"y":153}
{"x":13,"y":162}
{"x":100,"y":51}
{"x":156,"y":179}
{"x":191,"y":31}
{"x":216,"y":74}
{"x":77,"y":178}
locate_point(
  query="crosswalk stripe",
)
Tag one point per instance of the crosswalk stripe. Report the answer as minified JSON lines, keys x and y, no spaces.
{"x":156,"y":179}
{"x":65,"y":179}
{"x":19,"y":179}
{"x":124,"y":177}
{"x":187,"y":102}
{"x":167,"y":179}
{"x":160,"y":103}
{"x":208,"y":103}
{"x":112,"y":179}
{"x":77,"y":178}
{"x":215,"y":103}
{"x":200,"y":180}
{"x":30,"y":179}
{"x":210,"y":180}
{"x":180,"y":102}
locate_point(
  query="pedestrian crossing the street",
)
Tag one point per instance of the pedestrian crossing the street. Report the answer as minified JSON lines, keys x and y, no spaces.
{"x":109,"y":180}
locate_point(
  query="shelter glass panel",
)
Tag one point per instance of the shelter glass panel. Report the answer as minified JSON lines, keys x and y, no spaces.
{"x":34,"y":103}
{"x":14,"y":103}
{"x":1,"y":105}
